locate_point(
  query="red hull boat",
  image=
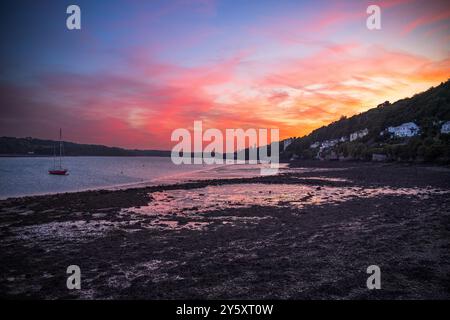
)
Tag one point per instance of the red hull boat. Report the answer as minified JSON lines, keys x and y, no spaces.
{"x":58,"y":169}
{"x":62,"y":172}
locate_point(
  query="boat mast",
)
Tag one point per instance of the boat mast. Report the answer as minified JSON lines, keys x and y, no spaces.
{"x":60,"y":147}
{"x":54,"y":156}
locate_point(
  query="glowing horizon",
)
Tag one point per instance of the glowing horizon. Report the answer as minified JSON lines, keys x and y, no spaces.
{"x":136,"y":70}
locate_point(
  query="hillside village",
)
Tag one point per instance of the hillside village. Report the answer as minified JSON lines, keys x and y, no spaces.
{"x":380,"y":134}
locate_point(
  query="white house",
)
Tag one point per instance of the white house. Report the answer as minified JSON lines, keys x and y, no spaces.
{"x":358,"y":134}
{"x":315,"y":145}
{"x":408,"y":129}
{"x":445,"y":127}
{"x":329,"y":143}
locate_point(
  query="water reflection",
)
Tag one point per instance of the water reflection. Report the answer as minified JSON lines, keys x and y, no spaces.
{"x":189,"y":203}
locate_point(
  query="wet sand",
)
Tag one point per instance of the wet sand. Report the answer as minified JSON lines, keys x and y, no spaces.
{"x":308,"y":233}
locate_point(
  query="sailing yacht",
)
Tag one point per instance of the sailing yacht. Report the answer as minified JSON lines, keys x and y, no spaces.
{"x":57,"y":165}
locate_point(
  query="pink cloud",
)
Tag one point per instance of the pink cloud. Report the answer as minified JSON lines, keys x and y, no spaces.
{"x":425,"y":20}
{"x":143,"y":100}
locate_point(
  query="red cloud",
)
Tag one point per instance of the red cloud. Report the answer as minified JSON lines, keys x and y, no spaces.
{"x":144,"y":100}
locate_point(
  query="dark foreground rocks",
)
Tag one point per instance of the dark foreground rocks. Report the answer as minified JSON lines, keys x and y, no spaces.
{"x":314,"y":244}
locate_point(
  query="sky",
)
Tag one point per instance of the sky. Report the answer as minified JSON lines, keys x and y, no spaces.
{"x":137,"y":70}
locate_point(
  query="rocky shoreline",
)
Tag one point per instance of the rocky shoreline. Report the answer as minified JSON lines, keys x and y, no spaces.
{"x":308,"y":233}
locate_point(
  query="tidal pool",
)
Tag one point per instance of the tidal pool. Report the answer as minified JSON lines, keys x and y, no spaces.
{"x":192,"y":203}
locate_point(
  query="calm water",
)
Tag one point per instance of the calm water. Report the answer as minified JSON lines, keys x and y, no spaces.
{"x":29,"y":176}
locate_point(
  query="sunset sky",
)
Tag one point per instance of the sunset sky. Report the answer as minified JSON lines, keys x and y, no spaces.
{"x":137,"y":70}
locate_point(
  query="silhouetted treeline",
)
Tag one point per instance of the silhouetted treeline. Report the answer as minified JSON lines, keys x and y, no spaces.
{"x":38,"y":147}
{"x":428,"y":110}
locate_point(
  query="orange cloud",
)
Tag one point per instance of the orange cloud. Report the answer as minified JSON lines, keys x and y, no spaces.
{"x":143,"y":100}
{"x":296,"y":95}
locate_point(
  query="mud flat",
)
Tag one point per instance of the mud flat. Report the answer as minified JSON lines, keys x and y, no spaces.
{"x":308,"y":233}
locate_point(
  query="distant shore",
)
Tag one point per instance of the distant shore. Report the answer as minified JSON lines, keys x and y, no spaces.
{"x":49,"y":156}
{"x":309,"y":233}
